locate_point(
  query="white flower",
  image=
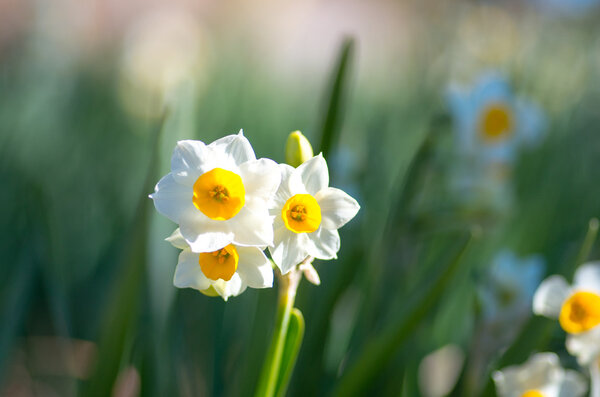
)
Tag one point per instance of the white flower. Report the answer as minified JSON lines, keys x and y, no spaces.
{"x":307,"y":214}
{"x":577,"y":308}
{"x":513,"y":281}
{"x":540,"y":376}
{"x":219,"y":194}
{"x":490,"y":122}
{"x":228,"y":271}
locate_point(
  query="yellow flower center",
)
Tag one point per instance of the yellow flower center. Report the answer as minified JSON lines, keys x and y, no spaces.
{"x":301,"y":214}
{"x":580,"y":313}
{"x":219,"y":194}
{"x":219,"y":264}
{"x":496,"y":123}
{"x":532,"y":393}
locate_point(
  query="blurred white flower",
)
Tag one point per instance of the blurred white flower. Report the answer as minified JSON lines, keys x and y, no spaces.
{"x":486,"y":187}
{"x":505,"y":302}
{"x":577,"y":308}
{"x":227,"y":271}
{"x":491,"y":123}
{"x":497,"y":46}
{"x":163,"y":50}
{"x":540,"y":376}
{"x":512,"y":282}
{"x":219,"y":194}
{"x":439,"y":371}
{"x":307,"y":214}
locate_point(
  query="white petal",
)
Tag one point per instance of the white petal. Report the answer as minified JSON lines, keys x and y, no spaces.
{"x":261,"y":179}
{"x":275,"y":213}
{"x":325,"y":244}
{"x":188,"y":161}
{"x":573,"y":384}
{"x":531,"y":122}
{"x":235,"y":146}
{"x":286,"y":190}
{"x":587,"y":277}
{"x":254,"y":267}
{"x":337,"y":207}
{"x":491,"y":87}
{"x":206,"y":236}
{"x":314,"y":174}
{"x":550,"y":295}
{"x":540,"y":370}
{"x":463,"y":114}
{"x":176,"y":239}
{"x":188,"y":273}
{"x":233,"y":287}
{"x":252,"y":228}
{"x":173,"y":200}
{"x":585,"y":346}
{"x":290,"y":249}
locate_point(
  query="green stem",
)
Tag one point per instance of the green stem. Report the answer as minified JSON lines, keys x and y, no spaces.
{"x":271,"y":369}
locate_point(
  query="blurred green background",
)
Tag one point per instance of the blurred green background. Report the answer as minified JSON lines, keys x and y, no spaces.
{"x":94,"y":95}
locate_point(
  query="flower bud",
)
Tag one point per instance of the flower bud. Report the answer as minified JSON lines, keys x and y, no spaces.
{"x":297,"y":149}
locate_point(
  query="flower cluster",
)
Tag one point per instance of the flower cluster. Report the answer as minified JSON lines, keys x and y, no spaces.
{"x":577,"y":308}
{"x":231,"y":206}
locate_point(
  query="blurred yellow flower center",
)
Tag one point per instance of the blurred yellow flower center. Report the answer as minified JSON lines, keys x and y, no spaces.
{"x":580,"y":313}
{"x":496,"y":123}
{"x":301,"y":214}
{"x":219,"y":264}
{"x":219,"y":194}
{"x":532,"y":393}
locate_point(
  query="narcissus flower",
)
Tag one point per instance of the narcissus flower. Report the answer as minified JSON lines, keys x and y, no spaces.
{"x":227,"y":271}
{"x":307,"y":214}
{"x":219,"y":194}
{"x":577,"y":308}
{"x":491,"y":122}
{"x":506,"y":297}
{"x":540,"y":376}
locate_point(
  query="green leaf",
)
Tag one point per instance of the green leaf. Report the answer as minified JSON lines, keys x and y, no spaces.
{"x":382,"y":349}
{"x":121,"y":317}
{"x":293,"y":340}
{"x":332,"y":120}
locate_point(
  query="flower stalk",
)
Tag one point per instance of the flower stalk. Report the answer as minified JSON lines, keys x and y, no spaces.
{"x":270,"y":379}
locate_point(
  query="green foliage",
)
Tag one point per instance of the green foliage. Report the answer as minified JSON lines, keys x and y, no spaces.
{"x":84,"y":259}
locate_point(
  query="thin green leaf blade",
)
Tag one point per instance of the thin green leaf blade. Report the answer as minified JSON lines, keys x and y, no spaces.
{"x":381,"y":350}
{"x":332,"y":120}
{"x":293,"y":341}
{"x":121,"y":317}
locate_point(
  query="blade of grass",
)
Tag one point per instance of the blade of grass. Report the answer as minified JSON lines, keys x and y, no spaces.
{"x":332,"y":119}
{"x":382,"y":349}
